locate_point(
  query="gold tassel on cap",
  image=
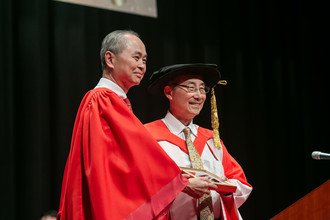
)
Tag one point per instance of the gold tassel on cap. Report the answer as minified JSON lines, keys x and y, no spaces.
{"x":214,"y":116}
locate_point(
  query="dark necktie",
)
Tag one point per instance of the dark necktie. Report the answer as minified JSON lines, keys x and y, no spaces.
{"x":128,"y":103}
{"x":205,"y":202}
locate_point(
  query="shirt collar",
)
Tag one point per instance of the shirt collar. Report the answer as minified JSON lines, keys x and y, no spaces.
{"x":112,"y":86}
{"x":176,"y":127}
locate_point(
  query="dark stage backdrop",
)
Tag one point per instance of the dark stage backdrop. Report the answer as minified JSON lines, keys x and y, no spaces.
{"x":273,"y":113}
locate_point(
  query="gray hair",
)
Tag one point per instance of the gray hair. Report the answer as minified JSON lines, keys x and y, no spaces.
{"x":115,"y":42}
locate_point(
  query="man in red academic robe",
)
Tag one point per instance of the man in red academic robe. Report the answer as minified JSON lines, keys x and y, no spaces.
{"x":185,"y":86}
{"x":115,"y":168}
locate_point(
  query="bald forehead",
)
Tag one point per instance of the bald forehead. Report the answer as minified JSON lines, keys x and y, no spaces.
{"x":135,"y":42}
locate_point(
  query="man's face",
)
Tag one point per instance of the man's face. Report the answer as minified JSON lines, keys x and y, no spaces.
{"x":185,"y":105}
{"x":129,"y":66}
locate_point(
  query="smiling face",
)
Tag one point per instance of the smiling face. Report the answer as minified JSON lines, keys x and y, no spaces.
{"x":128,"y":67}
{"x":184,"y":105}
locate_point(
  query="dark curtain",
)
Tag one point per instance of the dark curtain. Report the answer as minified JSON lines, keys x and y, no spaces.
{"x":273,"y":113}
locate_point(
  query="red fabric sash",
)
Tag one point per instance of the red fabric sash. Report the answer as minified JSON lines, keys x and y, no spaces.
{"x":230,"y":209}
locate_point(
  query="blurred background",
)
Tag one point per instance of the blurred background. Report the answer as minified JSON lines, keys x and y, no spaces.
{"x":273,"y":113}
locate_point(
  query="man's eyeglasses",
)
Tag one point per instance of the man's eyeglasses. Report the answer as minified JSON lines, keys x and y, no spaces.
{"x":193,"y":89}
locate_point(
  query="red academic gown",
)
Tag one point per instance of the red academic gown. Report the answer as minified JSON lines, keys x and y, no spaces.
{"x":232,"y":169}
{"x":115,"y":169}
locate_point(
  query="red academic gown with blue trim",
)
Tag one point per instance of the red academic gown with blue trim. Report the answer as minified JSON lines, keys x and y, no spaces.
{"x":115,"y":168}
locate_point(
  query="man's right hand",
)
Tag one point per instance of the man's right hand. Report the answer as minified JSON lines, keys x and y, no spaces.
{"x":198,"y":186}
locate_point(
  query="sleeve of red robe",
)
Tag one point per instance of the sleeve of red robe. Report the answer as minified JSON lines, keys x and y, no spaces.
{"x":232,"y":168}
{"x":234,"y":171}
{"x":115,"y":169}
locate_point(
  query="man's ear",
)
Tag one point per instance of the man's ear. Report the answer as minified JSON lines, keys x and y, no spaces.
{"x":168,"y":92}
{"x":108,"y":58}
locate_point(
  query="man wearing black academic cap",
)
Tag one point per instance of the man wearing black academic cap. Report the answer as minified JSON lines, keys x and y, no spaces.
{"x":191,"y":146}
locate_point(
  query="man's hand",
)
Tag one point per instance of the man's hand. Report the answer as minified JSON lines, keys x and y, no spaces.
{"x":198,"y":186}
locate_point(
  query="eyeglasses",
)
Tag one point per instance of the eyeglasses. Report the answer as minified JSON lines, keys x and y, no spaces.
{"x":193,"y":89}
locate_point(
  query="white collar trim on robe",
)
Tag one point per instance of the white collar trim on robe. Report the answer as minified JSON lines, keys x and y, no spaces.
{"x":112,"y":86}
